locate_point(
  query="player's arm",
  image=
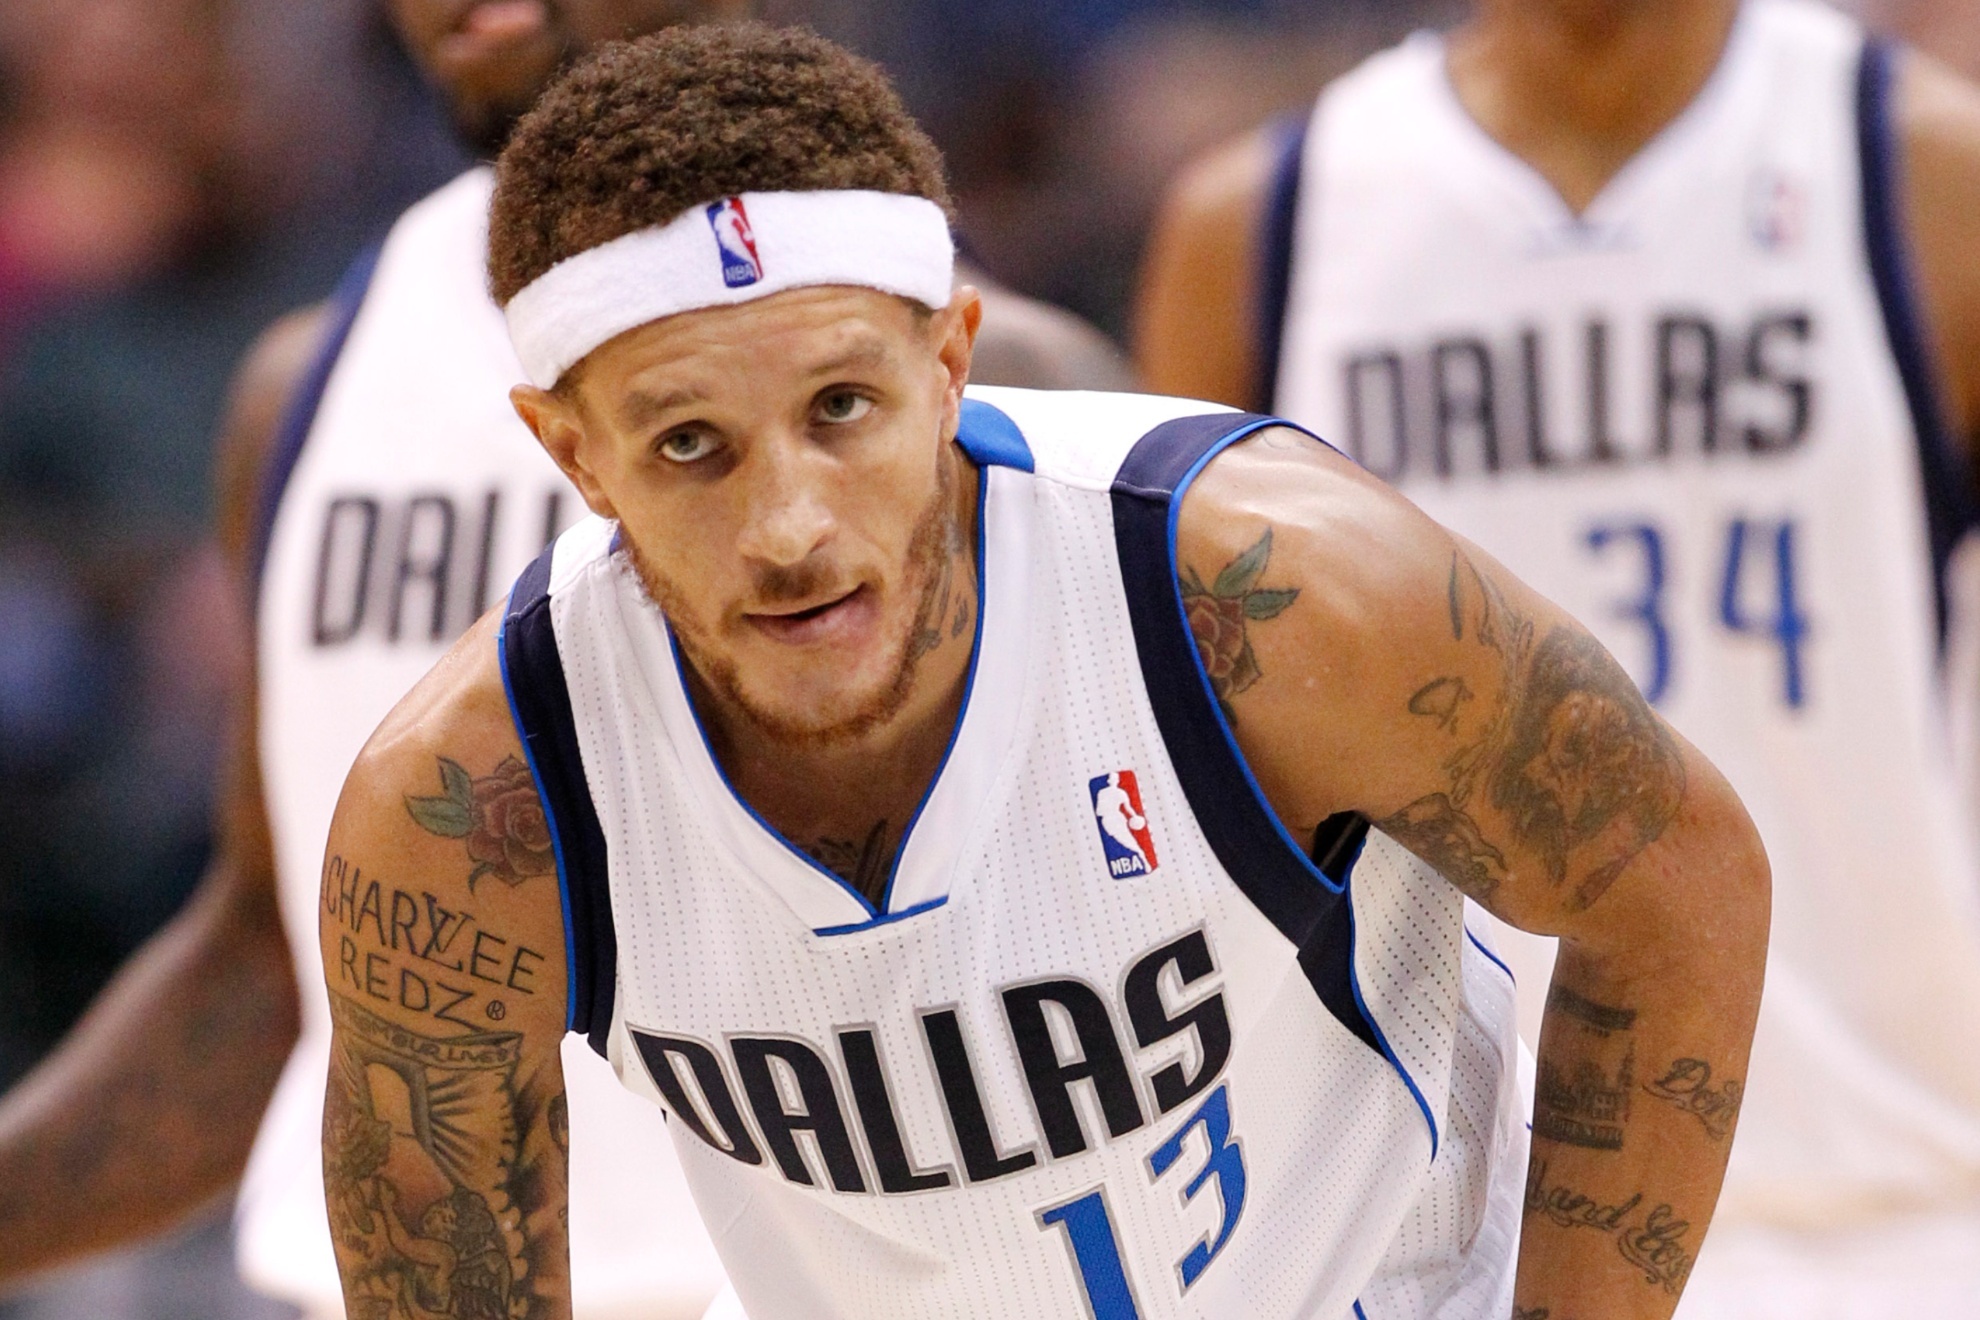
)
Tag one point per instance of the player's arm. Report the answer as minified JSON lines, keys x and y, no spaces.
{"x":444,"y":1123}
{"x":147,"y":1110}
{"x":1197,"y":311}
{"x":1395,"y":670}
{"x":1938,"y":120}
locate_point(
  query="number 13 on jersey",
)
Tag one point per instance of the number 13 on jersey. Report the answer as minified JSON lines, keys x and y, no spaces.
{"x":1089,"y":1229}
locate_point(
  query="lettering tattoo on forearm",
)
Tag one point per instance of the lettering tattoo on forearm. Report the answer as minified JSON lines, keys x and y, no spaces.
{"x":1658,"y":1249}
{"x":1653,"y":1240}
{"x":430,"y":1212}
{"x":1569,"y":756}
{"x":1688,"y":1085}
{"x":1221,"y":613}
{"x":409,"y":949}
{"x":1567,"y":1208}
{"x":499,"y":816}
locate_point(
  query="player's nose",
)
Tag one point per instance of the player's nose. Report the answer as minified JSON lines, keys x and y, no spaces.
{"x":787,"y":515}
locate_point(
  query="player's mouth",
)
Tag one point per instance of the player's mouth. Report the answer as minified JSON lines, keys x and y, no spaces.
{"x":837,"y":619}
{"x":490,"y":29}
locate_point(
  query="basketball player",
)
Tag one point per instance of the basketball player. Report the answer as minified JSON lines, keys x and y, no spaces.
{"x":380,"y":490}
{"x":1672,"y":307}
{"x":820,"y":708}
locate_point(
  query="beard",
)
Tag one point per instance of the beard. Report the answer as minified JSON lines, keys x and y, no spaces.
{"x":936,"y":539}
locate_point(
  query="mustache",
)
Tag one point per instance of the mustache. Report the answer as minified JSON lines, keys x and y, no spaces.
{"x":777,"y":585}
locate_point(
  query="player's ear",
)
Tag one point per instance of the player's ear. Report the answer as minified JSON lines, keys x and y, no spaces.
{"x":556,"y":425}
{"x":955,"y":328}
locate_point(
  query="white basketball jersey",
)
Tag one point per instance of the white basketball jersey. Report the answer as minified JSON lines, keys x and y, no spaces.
{"x":406,"y":494}
{"x":1699,"y":417}
{"x":1111,"y":1045}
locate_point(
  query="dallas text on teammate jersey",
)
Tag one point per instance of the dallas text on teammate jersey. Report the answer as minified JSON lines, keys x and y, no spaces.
{"x":1472,"y":403}
{"x":419,"y":566}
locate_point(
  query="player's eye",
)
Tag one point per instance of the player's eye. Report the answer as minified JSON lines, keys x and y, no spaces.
{"x":685,"y":446}
{"x":842,"y":406}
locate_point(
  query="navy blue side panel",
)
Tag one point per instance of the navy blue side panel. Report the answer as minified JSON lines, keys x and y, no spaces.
{"x":1276,"y":235}
{"x":991,"y":438}
{"x":300,"y":415}
{"x":1949,"y":492}
{"x":540,"y":701}
{"x":1309,"y":907}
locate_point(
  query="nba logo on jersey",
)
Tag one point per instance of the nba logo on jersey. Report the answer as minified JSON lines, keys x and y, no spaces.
{"x":1123,"y":824}
{"x":737,"y":242}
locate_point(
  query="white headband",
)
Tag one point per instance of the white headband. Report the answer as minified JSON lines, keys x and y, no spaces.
{"x":727,"y":252}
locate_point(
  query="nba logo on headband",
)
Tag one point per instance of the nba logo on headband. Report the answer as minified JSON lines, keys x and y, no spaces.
{"x":740,"y":264}
{"x":893,"y":242}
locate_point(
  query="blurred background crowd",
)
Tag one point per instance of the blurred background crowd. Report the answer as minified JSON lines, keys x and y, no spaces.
{"x":176,"y":173}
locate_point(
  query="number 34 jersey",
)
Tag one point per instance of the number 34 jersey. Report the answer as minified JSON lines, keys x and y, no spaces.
{"x":1110,"y":1045}
{"x":1697,"y":416}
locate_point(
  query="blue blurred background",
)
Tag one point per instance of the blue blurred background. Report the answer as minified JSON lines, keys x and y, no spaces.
{"x":176,"y":173}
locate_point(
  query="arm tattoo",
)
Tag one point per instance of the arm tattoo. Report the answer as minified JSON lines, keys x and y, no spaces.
{"x":1652,"y":1241}
{"x":1570,"y":755}
{"x":1564,"y":1207}
{"x":1439,"y":832}
{"x":1688,"y":1085}
{"x":432,"y":1218}
{"x":1599,"y":1018}
{"x":1220,"y":613}
{"x":1583,"y":1100}
{"x":499,"y":815}
{"x":1587,"y":1107}
{"x":864,"y":865}
{"x":1658,"y":1249}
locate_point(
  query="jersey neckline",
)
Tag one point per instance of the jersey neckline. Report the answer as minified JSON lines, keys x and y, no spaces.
{"x":1607,"y":217}
{"x":936,"y":833}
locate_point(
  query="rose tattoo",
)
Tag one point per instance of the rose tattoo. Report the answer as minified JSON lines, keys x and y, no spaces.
{"x":499,"y":815}
{"x":1219,"y":612}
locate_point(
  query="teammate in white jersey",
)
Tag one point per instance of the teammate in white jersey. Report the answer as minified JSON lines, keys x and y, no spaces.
{"x":1645,"y":299}
{"x":959,"y":1050}
{"x":379,"y":493}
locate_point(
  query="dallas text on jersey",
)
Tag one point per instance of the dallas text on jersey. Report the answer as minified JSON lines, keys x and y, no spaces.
{"x":695,"y":1078}
{"x":1474,"y":404}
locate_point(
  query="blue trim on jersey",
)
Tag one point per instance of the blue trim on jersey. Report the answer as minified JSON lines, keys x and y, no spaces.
{"x":540,"y":705}
{"x":1388,"y":1051}
{"x":865,"y":903}
{"x":975,"y":641}
{"x":974,"y":415}
{"x":1359,"y":1314}
{"x":1303,"y":901}
{"x":1277,"y":237}
{"x":884,"y":919}
{"x":1497,"y":961}
{"x":1948,"y":482}
{"x":991,"y":438}
{"x":299,"y":416}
